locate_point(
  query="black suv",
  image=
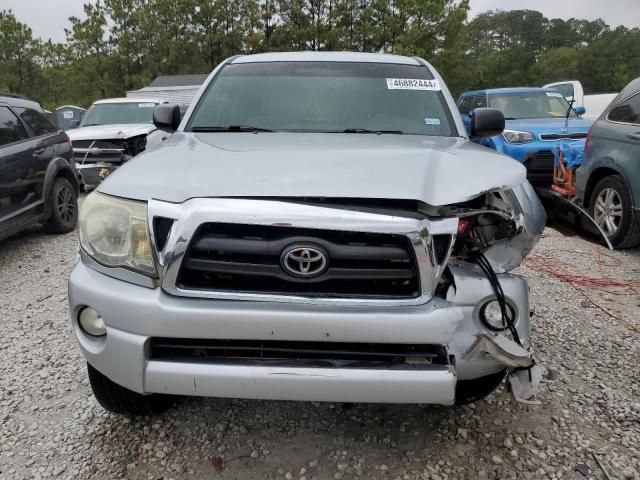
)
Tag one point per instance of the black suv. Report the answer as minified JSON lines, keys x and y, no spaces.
{"x":38,"y":182}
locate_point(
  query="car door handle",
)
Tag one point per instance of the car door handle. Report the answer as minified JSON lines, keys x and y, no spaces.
{"x":39,"y":151}
{"x":634,"y":136}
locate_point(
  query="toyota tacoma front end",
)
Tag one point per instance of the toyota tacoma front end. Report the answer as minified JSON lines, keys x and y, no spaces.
{"x":327,"y":232}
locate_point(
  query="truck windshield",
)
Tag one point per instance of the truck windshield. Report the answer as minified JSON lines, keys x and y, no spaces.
{"x":112,"y":113}
{"x":346,"y":97}
{"x":530,"y":105}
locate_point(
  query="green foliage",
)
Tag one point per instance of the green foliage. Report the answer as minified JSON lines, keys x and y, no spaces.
{"x":122,"y":45}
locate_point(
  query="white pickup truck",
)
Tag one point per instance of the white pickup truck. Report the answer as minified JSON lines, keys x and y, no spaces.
{"x":594,"y":104}
{"x":113,"y":131}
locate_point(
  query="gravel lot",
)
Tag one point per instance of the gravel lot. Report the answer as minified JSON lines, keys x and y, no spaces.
{"x":51,"y":427}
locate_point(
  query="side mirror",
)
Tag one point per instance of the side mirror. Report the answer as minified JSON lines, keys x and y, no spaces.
{"x":166,"y":117}
{"x":580,"y":111}
{"x":486,"y":122}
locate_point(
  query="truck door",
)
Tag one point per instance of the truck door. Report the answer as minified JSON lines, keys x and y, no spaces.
{"x":14,"y":160}
{"x":44,"y":145}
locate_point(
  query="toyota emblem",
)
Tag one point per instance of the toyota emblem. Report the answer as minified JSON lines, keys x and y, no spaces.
{"x":304,"y":261}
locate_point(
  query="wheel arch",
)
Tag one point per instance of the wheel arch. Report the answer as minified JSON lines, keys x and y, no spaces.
{"x":597,"y":175}
{"x":56,"y":169}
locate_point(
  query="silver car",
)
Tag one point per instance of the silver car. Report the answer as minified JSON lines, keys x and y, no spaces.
{"x":319,"y":227}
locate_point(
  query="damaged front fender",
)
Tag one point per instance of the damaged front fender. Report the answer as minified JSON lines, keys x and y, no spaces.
{"x":529,"y":214}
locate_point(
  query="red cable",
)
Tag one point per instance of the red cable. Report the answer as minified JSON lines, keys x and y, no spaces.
{"x":555,"y":267}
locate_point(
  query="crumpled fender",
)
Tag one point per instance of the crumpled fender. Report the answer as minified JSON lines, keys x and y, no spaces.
{"x":531,"y":216}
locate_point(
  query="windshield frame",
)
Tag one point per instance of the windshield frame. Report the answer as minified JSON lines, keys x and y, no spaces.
{"x":432,"y":75}
{"x":111,"y":104}
{"x":555,"y":94}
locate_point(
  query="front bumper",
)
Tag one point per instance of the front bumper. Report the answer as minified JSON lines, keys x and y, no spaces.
{"x":135,"y":314}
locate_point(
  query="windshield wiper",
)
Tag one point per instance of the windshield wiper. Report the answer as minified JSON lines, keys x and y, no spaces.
{"x":366,"y":130}
{"x":231,"y":128}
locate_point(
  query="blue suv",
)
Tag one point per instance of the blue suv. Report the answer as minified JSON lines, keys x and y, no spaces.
{"x":536,"y":120}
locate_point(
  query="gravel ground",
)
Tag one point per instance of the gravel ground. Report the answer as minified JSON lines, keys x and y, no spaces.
{"x":51,"y":427}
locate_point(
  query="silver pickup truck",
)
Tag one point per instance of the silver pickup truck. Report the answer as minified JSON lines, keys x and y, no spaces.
{"x":319,"y":227}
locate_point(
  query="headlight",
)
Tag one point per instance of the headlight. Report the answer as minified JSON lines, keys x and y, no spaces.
{"x":491,"y":315}
{"x":114,"y":232}
{"x":515,"y":136}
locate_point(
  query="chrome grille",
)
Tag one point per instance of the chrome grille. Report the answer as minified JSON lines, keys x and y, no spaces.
{"x":248,"y":258}
{"x":211,"y":241}
{"x":550,"y":137}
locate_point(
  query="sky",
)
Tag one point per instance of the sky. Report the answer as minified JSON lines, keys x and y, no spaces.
{"x":48,"y":18}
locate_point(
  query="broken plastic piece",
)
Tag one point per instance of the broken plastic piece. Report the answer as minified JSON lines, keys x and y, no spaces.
{"x":501,"y":349}
{"x":524,"y":384}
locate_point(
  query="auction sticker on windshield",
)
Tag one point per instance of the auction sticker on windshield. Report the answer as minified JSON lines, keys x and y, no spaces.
{"x":412,"y":84}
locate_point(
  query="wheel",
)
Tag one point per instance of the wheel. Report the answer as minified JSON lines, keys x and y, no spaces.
{"x":117,"y":399}
{"x":611,"y":209}
{"x":64,"y":207}
{"x":468,"y":391}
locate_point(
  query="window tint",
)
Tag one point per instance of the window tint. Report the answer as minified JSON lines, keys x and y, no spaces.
{"x":36,"y":121}
{"x":479,"y":101}
{"x":469,"y":104}
{"x":627,"y":112}
{"x":11,"y":130}
{"x":466,"y":105}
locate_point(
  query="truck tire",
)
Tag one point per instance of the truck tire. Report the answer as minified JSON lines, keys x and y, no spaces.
{"x":114,"y":398}
{"x":468,"y":391}
{"x":64,"y":207}
{"x":611,"y":208}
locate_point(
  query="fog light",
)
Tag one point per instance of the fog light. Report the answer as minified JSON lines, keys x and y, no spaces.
{"x":491,"y":315}
{"x":91,"y":322}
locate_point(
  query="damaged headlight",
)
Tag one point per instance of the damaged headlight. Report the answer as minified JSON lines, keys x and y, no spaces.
{"x":114,"y":232}
{"x":502,"y":225}
{"x":517,"y":137}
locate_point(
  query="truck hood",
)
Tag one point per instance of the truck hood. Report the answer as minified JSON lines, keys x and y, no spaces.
{"x":107,"y":132}
{"x":435,"y":170}
{"x":549,"y":125}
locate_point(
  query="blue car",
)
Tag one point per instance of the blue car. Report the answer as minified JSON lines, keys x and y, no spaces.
{"x":536,"y":120}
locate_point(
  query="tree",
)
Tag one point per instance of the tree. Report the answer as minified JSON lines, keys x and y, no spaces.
{"x":19,"y":56}
{"x":121,"y":45}
{"x":610,"y":62}
{"x":91,"y":53}
{"x":555,"y":65}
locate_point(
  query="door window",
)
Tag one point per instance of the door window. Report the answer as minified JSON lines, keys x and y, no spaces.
{"x":466,"y":105}
{"x":11,"y":130}
{"x":479,"y":101}
{"x":36,"y":121}
{"x":628,"y":111}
